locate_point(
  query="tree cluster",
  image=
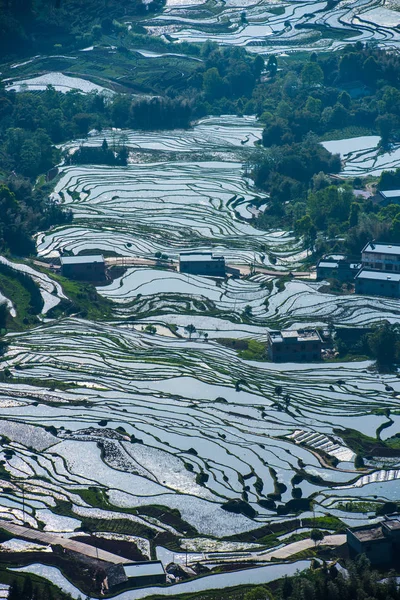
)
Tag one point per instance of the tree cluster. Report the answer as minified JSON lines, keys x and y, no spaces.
{"x":359,"y":581}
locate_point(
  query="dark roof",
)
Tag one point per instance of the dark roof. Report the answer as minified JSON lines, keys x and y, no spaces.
{"x":392,"y":524}
{"x":369,"y":535}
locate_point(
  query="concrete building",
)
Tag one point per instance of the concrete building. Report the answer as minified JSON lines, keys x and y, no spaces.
{"x":336,"y":267}
{"x":380,"y":543}
{"x":381,"y":256}
{"x":389,"y":197}
{"x":377,"y":283}
{"x":294,"y":346}
{"x":202,"y":263}
{"x":83,"y":268}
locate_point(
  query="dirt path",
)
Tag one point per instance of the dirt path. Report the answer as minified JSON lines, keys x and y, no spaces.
{"x":51,"y":538}
{"x":296,"y":547}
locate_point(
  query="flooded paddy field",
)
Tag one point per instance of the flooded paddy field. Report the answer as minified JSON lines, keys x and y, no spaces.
{"x":270,"y":27}
{"x":148,"y":420}
{"x":172,"y":436}
{"x":362,"y":155}
{"x":199,"y":200}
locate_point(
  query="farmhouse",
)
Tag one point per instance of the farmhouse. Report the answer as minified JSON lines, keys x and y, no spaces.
{"x":202,"y":263}
{"x":380,"y":543}
{"x":294,"y":346}
{"x":336,"y":267}
{"x":389,"y":197}
{"x":381,"y":256}
{"x":377,"y":283}
{"x":84,"y":268}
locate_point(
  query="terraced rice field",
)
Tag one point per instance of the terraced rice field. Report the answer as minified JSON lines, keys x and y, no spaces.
{"x":270,"y":27}
{"x":103,"y":423}
{"x":361,"y":156}
{"x":200,"y":199}
{"x":197,"y":441}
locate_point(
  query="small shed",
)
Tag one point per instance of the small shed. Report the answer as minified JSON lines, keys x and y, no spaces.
{"x":150,"y":572}
{"x":84,"y":268}
{"x":202,"y":263}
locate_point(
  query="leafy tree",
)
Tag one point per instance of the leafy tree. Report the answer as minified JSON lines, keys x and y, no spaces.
{"x":312,"y":74}
{"x":359,"y":462}
{"x":316,"y":535}
{"x":258,"y":65}
{"x":384,"y":344}
{"x":272,"y":65}
{"x":248,"y":311}
{"x":355,"y":210}
{"x":258,"y":593}
{"x":190,"y":329}
{"x":213,"y":84}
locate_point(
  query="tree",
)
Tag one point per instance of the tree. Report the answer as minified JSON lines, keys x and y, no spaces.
{"x":248,"y":311}
{"x":213,"y":84}
{"x":312,"y":74}
{"x":104,"y":145}
{"x":14,"y":592}
{"x":27,"y":589}
{"x":190,"y":329}
{"x":317,"y":536}
{"x":359,"y":462}
{"x":258,"y":65}
{"x":258,"y":593}
{"x":384,"y":344}
{"x":355,"y":210}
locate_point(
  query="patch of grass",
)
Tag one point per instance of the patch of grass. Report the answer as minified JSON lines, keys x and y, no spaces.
{"x":347,"y":132}
{"x":327,"y":522}
{"x":369,"y":446}
{"x":85,"y":301}
{"x":357,"y":507}
{"x":15,"y":288}
{"x":247,"y":349}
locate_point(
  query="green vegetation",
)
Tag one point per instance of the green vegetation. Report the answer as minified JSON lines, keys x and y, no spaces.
{"x":364,"y":445}
{"x":247,"y":349}
{"x":382,"y":343}
{"x":39,"y":25}
{"x":23,"y":292}
{"x":310,"y":102}
{"x":24,"y":586}
{"x":84,"y":301}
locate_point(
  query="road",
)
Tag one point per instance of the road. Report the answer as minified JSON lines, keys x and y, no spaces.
{"x":135,"y":261}
{"x":292,"y":549}
{"x":127,"y":261}
{"x":53,"y":539}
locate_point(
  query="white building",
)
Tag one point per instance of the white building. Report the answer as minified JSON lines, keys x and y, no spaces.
{"x":380,"y":256}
